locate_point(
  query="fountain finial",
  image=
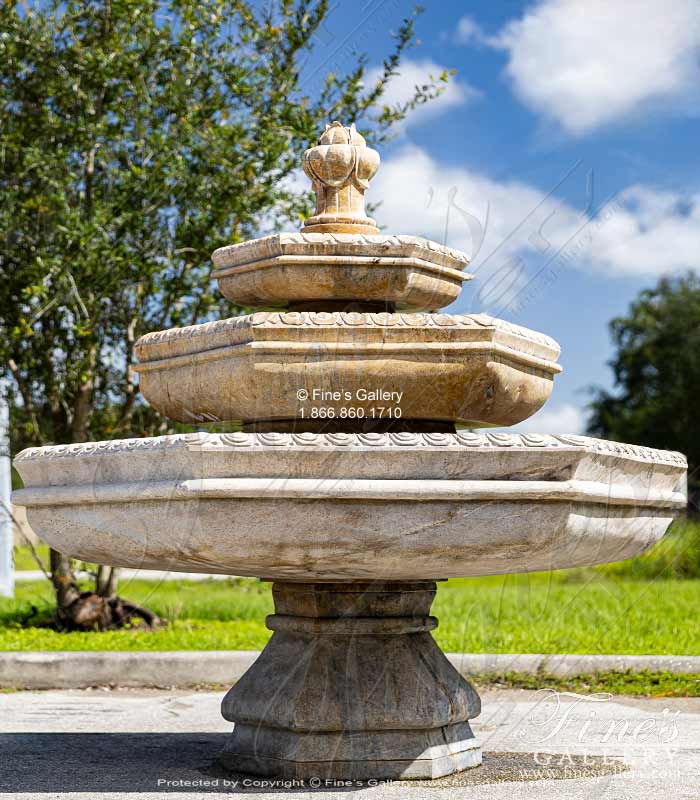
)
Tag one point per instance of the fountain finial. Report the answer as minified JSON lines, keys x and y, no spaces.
{"x":340,"y":167}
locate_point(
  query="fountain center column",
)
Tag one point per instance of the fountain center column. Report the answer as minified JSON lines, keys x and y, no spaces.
{"x":352,"y":686}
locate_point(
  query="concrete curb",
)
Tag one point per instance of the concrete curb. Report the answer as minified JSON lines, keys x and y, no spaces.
{"x":562,"y":666}
{"x":143,"y":669}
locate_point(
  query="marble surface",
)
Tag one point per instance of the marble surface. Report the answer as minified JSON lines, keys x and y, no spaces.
{"x":281,"y":367}
{"x":409,"y":272}
{"x":367,"y":692}
{"x":346,"y":507}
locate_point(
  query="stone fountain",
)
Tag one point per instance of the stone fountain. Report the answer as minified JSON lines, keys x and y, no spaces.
{"x":350,"y":487}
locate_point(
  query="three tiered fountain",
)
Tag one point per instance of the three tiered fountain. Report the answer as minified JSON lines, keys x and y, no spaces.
{"x":355,"y":484}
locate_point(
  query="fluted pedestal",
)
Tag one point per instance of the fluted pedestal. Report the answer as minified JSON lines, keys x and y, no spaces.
{"x":352,"y":686}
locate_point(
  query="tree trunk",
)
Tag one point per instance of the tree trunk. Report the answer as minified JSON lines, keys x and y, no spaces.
{"x":106,"y":582}
{"x":96,"y":610}
{"x":64,"y":585}
{"x":63,"y":579}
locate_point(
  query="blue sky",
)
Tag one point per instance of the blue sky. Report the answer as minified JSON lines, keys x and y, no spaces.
{"x":572,"y":124}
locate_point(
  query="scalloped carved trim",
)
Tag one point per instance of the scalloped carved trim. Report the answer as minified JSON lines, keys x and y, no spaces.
{"x":351,"y":441}
{"x":232,"y":325}
{"x":327,"y":319}
{"x":335,"y":244}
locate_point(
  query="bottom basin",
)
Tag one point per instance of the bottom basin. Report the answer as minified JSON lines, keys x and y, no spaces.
{"x":346,"y":507}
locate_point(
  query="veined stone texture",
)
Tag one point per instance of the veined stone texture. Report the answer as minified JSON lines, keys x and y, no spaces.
{"x":336,"y":644}
{"x":353,"y":528}
{"x":306,"y":507}
{"x":409,"y":272}
{"x":340,"y":167}
{"x":467,"y":368}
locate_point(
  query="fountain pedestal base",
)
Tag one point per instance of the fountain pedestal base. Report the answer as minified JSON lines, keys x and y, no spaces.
{"x":352,"y":686}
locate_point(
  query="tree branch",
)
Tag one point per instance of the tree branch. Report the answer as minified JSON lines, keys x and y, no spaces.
{"x":26,"y":399}
{"x":8,"y":510}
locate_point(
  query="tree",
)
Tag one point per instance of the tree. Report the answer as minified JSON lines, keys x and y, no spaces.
{"x":136,"y":136}
{"x":657,"y":374}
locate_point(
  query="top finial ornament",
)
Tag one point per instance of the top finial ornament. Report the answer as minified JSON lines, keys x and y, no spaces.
{"x":340,"y":167}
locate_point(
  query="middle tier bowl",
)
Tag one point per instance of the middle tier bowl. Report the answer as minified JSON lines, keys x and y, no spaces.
{"x":287,"y":368}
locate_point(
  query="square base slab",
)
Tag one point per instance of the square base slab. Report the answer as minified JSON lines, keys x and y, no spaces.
{"x":403,"y":755}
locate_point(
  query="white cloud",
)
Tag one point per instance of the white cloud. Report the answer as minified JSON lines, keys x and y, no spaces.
{"x":643,"y":231}
{"x":492,"y":221}
{"x":415,"y":188}
{"x":564,"y":418}
{"x":587,"y":63}
{"x":650,"y":233}
{"x":402,"y":87}
{"x":468,"y":31}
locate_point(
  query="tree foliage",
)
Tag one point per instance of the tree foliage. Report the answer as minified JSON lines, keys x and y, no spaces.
{"x":136,"y":136}
{"x":657,"y":374}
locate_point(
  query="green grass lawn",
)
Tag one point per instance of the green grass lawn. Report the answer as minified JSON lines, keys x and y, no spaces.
{"x":25,"y":560}
{"x":647,"y":605}
{"x":561,"y":612}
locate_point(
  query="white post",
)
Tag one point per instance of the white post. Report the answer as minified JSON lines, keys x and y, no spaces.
{"x":7,"y":567}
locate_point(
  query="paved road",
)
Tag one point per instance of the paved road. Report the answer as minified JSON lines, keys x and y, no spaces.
{"x":155,"y":744}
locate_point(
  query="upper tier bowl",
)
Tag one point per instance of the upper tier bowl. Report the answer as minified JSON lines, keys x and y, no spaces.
{"x":406,"y":272}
